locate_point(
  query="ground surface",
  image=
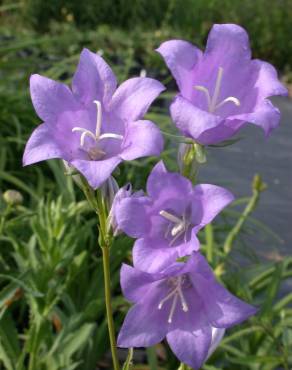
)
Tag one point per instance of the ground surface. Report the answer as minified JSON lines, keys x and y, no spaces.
{"x":234,"y":167}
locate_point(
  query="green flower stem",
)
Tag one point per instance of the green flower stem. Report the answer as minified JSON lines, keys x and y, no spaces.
{"x":105,"y":241}
{"x":209,"y":235}
{"x":183,"y":367}
{"x":108,"y":304}
{"x":257,"y":187}
{"x":98,"y":203}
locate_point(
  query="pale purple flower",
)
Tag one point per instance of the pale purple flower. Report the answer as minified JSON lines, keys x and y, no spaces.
{"x":183,"y":303}
{"x":167,"y":220}
{"x":223,"y":88}
{"x":95,"y":125}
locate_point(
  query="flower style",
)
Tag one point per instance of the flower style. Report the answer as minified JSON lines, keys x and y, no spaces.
{"x":167,"y":219}
{"x":223,"y":88}
{"x":96,"y":125}
{"x":183,"y":303}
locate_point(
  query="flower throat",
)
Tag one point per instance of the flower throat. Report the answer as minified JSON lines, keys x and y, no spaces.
{"x":212,"y":101}
{"x":95,"y":152}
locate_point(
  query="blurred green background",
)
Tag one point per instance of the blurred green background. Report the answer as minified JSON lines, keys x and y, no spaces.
{"x":51,"y":293}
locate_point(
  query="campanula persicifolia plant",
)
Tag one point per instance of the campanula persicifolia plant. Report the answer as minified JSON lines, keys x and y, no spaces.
{"x":95,"y":126}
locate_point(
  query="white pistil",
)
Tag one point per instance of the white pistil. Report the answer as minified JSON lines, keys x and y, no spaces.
{"x":161,"y":303}
{"x":95,"y":152}
{"x":173,"y":307}
{"x":212,"y":100}
{"x":98,"y":118}
{"x":216,"y":90}
{"x":175,"y":293}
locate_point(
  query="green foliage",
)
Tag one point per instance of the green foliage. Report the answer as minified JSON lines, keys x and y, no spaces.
{"x":52,"y":314}
{"x":268,"y":22}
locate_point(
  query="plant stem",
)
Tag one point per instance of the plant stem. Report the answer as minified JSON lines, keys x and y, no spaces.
{"x":109,"y":312}
{"x":258,"y":187}
{"x":152,"y":359}
{"x":209,"y":234}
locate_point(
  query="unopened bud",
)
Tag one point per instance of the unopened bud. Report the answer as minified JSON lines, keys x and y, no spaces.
{"x":108,"y":190}
{"x":13,"y":197}
{"x":123,"y":193}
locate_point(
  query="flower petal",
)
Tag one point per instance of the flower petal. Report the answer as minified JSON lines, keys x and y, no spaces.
{"x":212,"y":199}
{"x":96,"y":172}
{"x":41,"y":146}
{"x":190,"y":348}
{"x":180,"y":57}
{"x":154,"y":255}
{"x":134,"y":96}
{"x":222,"y":308}
{"x":144,"y":325}
{"x":50,"y":98}
{"x":143,"y":138}
{"x":190,"y":120}
{"x":217,"y":335}
{"x":265,"y":115}
{"x":162,"y":185}
{"x":132,"y":216}
{"x":226,"y":310}
{"x":267,"y":82}
{"x":135,"y":283}
{"x":228,"y":44}
{"x":93,"y":79}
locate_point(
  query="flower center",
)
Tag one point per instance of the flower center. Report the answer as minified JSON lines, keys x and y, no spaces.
{"x":176,"y":293}
{"x":95,"y":152}
{"x":177,"y":226}
{"x":212,"y":101}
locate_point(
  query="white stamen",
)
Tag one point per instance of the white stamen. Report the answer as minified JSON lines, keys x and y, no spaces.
{"x":176,"y":237}
{"x":161,"y":303}
{"x":95,"y":152}
{"x":176,"y":293}
{"x":212,"y":101}
{"x":85,"y":133}
{"x":231,"y":99}
{"x":98,"y":118}
{"x":183,"y":300}
{"x":170,"y":217}
{"x":216,"y":90}
{"x":173,"y":307}
{"x":178,"y":228}
{"x":111,"y":136}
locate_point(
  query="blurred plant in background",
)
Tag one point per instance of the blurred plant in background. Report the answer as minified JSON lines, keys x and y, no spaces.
{"x":51,"y":268}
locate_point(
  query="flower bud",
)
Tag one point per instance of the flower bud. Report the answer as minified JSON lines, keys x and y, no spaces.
{"x":124,"y":192}
{"x":109,"y":189}
{"x":13,"y":197}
